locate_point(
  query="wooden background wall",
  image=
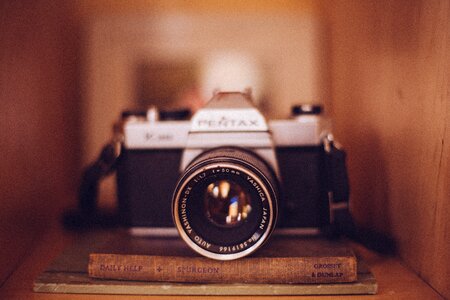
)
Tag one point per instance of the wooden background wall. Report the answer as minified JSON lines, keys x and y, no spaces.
{"x":390,"y":85}
{"x":39,"y":118}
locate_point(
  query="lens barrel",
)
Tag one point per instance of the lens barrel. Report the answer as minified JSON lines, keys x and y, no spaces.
{"x":225,"y":204}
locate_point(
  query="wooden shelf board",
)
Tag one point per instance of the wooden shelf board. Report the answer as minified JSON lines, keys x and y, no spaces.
{"x":394,"y":280}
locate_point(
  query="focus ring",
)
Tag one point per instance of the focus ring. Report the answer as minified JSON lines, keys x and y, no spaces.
{"x":243,"y":156}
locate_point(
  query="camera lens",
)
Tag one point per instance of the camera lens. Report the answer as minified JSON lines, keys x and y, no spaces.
{"x":225,"y":203}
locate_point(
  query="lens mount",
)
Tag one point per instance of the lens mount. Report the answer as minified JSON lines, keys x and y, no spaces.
{"x":225,"y":204}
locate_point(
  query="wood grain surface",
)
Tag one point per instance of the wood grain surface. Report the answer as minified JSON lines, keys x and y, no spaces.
{"x":38,"y":122}
{"x":389,"y":63}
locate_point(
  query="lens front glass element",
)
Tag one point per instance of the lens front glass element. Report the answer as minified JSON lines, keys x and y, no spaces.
{"x":226,"y":203}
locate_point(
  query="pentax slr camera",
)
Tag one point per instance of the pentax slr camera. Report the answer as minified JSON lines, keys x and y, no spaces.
{"x":226,"y":178}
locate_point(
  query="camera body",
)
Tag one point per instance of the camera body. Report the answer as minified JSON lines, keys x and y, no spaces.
{"x":156,"y":152}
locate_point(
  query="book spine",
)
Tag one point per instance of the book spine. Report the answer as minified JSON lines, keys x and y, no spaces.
{"x":204,"y":270}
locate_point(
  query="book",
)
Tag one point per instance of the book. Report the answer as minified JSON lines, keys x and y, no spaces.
{"x":254,"y":270}
{"x":68,"y":273}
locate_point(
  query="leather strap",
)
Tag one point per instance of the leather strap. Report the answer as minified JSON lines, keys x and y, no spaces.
{"x":341,"y":220}
{"x":87,"y":214}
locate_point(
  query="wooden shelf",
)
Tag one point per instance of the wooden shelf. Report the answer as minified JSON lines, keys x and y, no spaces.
{"x":382,"y":71}
{"x":395,"y":281}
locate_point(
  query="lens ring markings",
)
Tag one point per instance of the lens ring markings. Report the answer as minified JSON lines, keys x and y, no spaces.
{"x":184,"y":196}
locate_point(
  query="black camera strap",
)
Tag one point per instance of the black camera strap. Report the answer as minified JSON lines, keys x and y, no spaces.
{"x":87,"y":215}
{"x":336,"y":180}
{"x":338,"y":191}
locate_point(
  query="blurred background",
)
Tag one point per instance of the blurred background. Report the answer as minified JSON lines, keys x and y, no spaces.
{"x":380,"y":68}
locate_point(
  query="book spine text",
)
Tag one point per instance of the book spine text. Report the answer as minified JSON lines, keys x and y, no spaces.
{"x":203,"y":270}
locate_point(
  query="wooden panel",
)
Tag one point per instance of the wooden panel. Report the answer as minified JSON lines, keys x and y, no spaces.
{"x":390,"y":91}
{"x":38,"y":93}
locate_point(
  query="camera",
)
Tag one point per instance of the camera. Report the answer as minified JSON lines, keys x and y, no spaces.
{"x":226,"y":178}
